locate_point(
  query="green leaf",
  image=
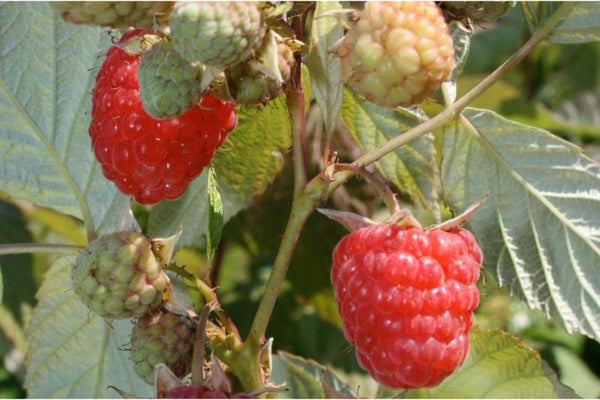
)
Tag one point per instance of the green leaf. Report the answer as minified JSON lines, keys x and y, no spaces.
{"x":581,"y":24}
{"x":245,"y":164}
{"x":73,"y":352}
{"x":411,"y":168}
{"x":215,"y":216}
{"x":575,"y":373}
{"x":499,"y":365}
{"x":47,"y":72}
{"x":539,"y":229}
{"x":303,"y":377}
{"x":325,"y":68}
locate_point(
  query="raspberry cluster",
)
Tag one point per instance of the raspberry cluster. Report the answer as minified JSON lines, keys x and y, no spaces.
{"x":406,"y":298}
{"x":162,"y":337}
{"x":147,"y":158}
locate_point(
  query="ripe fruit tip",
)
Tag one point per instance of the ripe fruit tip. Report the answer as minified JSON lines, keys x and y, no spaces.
{"x":406,"y":298}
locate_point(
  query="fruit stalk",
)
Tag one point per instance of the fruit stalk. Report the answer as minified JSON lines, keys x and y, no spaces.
{"x":295,"y":103}
{"x":22,"y":248}
{"x":307,"y":196}
{"x":450,"y":113}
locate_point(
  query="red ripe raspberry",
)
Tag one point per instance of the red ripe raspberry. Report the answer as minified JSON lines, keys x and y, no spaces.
{"x":406,"y":298}
{"x":147,"y":158}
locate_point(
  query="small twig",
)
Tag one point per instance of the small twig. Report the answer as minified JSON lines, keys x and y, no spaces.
{"x":198,"y":377}
{"x":24,"y":248}
{"x":382,"y":188}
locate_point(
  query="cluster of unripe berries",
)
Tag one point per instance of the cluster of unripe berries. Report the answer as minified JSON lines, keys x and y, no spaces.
{"x":118,"y":276}
{"x":164,"y":102}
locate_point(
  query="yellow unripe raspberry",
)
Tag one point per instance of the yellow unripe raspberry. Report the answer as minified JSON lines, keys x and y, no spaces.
{"x":398,"y":53}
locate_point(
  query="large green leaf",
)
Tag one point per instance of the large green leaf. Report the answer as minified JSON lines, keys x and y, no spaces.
{"x":540,"y":228}
{"x":581,"y":24}
{"x":303,"y":377}
{"x":73,"y":352}
{"x":325,"y":68}
{"x":245,"y":165}
{"x":411,"y":168}
{"x":499,"y":365}
{"x":46,"y":76}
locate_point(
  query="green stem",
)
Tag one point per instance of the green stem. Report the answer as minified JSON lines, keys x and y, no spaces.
{"x":301,"y":209}
{"x":22,"y":248}
{"x":382,"y":188}
{"x":307,"y":196}
{"x":453,"y":111}
{"x":295,"y":104}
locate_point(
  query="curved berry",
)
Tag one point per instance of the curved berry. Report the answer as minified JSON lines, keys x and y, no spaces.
{"x":147,"y":158}
{"x":398,"y":53}
{"x":406,"y":298}
{"x":218,"y":34}
{"x":118,"y":276}
{"x":162,"y":337}
{"x":169,"y":85}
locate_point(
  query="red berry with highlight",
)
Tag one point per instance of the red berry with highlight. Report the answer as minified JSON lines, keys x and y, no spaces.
{"x":147,"y":158}
{"x":406,"y":298}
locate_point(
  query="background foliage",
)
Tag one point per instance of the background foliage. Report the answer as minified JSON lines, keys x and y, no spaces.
{"x":46,"y":74}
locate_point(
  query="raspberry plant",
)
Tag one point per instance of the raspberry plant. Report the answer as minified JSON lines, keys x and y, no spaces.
{"x":164,"y":163}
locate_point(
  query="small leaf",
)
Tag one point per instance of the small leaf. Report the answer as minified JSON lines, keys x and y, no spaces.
{"x":581,"y":24}
{"x":215,"y":216}
{"x":246,"y":164}
{"x":499,"y":365}
{"x":539,"y":229}
{"x":47,"y":75}
{"x":411,"y":168}
{"x":303,"y":377}
{"x":73,"y":352}
{"x":325,"y":68}
{"x":461,"y":38}
{"x":350,"y":221}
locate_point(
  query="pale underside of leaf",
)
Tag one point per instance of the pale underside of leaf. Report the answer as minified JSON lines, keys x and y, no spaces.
{"x":540,"y":228}
{"x":47,"y":72}
{"x":325,"y":68}
{"x":72,"y":352}
{"x":412,"y":167}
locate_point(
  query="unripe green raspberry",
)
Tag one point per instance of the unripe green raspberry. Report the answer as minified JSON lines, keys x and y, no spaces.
{"x":162,"y":337}
{"x":398,"y":53}
{"x":118,"y":276}
{"x":246,"y":85}
{"x":169,"y":85}
{"x":477,"y":11}
{"x":218,"y":34}
{"x":114,"y":14}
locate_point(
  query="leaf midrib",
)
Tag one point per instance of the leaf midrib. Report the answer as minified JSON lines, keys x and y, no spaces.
{"x":528,"y":187}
